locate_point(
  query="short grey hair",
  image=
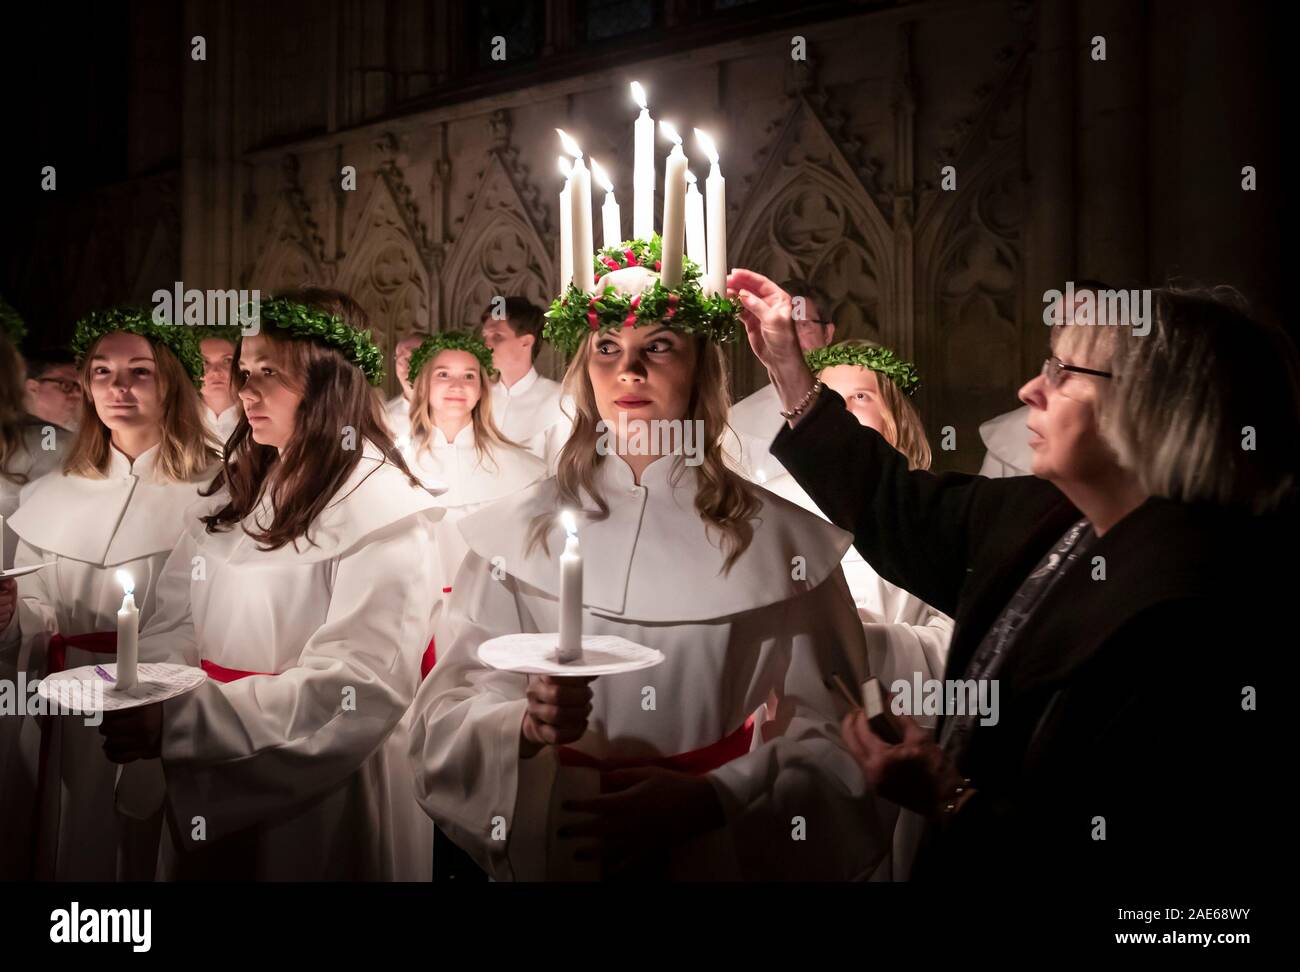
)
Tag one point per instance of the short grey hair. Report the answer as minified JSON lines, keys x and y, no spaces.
{"x":1206,"y":407}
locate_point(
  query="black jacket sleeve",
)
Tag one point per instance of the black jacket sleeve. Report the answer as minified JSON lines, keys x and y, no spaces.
{"x":919,"y":530}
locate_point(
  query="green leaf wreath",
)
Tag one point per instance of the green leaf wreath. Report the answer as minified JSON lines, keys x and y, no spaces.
{"x":178,"y":339}
{"x":310,"y":324}
{"x":686,"y":308}
{"x":864,"y":355}
{"x":434,"y":344}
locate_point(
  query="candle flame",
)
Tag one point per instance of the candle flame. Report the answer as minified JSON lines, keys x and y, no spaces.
{"x":565,"y":167}
{"x":706,"y":143}
{"x":569,"y":522}
{"x":638,"y":95}
{"x":570,"y":145}
{"x":127,"y":582}
{"x":669,"y":132}
{"x":601,"y":177}
{"x":690,"y":177}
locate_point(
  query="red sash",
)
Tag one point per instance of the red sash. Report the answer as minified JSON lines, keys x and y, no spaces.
{"x":218,"y":673}
{"x":430,"y":657}
{"x":697,"y":762}
{"x":99,"y":642}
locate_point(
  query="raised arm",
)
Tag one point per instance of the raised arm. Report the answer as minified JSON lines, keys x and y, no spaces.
{"x":919,"y":530}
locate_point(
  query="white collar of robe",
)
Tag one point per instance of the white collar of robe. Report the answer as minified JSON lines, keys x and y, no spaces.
{"x":652,"y":558}
{"x":130,"y":514}
{"x":468,"y":479}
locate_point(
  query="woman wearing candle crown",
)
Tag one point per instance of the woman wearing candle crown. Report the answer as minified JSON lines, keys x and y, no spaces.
{"x":138,"y":461}
{"x":906,"y":638}
{"x":455,"y":442}
{"x":306,"y":589}
{"x":740,"y":590}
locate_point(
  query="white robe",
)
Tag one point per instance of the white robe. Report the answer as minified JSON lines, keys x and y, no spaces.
{"x":300,"y":773}
{"x":88,"y":529}
{"x":221,"y":425}
{"x":30,"y":463}
{"x":905,"y":637}
{"x":781,"y":620}
{"x":533,"y":413}
{"x":756,"y":419}
{"x":1007,"y":440}
{"x":469,"y":484}
{"x":397,"y":413}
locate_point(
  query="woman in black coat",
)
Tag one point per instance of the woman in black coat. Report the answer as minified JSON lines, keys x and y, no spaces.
{"x":1125,"y":597}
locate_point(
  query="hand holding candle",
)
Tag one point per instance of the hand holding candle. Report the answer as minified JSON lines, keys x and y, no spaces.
{"x":128,"y":634}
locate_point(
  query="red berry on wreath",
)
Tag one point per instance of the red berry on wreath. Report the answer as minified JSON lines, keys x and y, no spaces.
{"x":593,"y":321}
{"x":658,"y":265}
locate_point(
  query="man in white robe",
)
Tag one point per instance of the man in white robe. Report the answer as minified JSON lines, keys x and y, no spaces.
{"x":527,"y":408}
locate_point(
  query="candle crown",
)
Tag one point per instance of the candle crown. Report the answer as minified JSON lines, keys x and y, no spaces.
{"x":575,"y":314}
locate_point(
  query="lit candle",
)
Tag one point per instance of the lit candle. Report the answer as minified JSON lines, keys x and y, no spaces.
{"x":695,"y":224}
{"x":715,"y":190}
{"x":609,"y":211}
{"x":128,"y":634}
{"x":566,"y":227}
{"x":674,"y":225}
{"x":570,"y":593}
{"x":643,"y":173}
{"x":584,"y":271}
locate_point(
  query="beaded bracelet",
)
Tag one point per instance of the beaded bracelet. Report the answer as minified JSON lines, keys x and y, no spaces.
{"x":803,"y":402}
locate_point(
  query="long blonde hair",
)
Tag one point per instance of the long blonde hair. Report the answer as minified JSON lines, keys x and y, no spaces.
{"x":185,"y":451}
{"x":724,"y":500}
{"x":487,"y":437}
{"x":12,"y":409}
{"x":904,"y":429}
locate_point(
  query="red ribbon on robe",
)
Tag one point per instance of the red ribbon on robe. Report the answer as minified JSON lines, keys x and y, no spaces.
{"x":98,"y":642}
{"x":697,"y":762}
{"x":221,"y":674}
{"x":430,"y":657}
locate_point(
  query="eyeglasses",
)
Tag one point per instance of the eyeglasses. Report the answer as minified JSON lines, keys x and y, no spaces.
{"x":65,"y":386}
{"x":1055,"y":370}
